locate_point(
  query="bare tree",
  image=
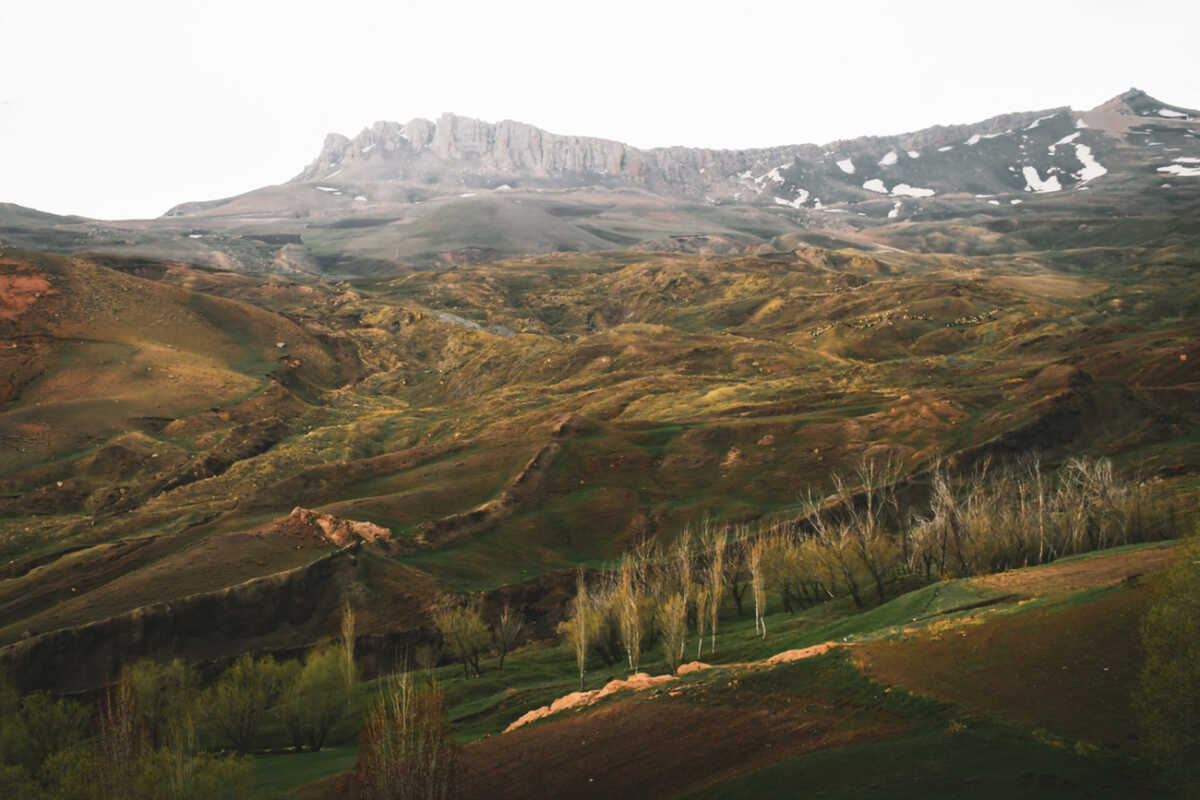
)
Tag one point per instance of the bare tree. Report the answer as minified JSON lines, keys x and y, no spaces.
{"x":579,"y":629}
{"x":869,"y":541}
{"x":754,"y":562}
{"x":735,"y":577}
{"x":407,"y":752}
{"x":685,"y":566}
{"x":717,"y":541}
{"x":786,"y":572}
{"x":507,"y":631}
{"x":630,"y":592}
{"x":122,"y":739}
{"x":702,"y":603}
{"x":834,"y":550}
{"x":671,"y":616}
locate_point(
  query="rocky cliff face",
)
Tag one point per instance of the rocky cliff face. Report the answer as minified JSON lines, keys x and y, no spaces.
{"x":422,"y":149}
{"x":459,"y":152}
{"x":1037,"y":152}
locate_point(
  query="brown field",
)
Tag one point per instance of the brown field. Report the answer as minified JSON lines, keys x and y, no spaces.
{"x":1069,"y":669}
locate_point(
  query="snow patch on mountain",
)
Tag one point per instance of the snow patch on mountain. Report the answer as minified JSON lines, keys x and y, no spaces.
{"x":895,"y":212}
{"x":1064,"y":140}
{"x":846,"y":165}
{"x":1034,"y":183}
{"x":801,"y":199}
{"x":1040,"y":120}
{"x":1181,"y":170}
{"x":889,"y":159}
{"x":904,"y":190}
{"x":875,"y":185}
{"x":1166,"y":112}
{"x":1091,"y":167}
{"x":913,"y":153}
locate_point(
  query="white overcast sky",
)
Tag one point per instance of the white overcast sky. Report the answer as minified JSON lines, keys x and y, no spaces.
{"x":122,"y":108}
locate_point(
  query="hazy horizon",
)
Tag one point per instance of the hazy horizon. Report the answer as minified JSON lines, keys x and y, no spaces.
{"x":124,"y":110}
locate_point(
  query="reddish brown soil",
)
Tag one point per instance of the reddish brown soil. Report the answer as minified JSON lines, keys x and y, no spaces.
{"x":18,"y":291}
{"x":640,"y":749}
{"x":1069,"y":669}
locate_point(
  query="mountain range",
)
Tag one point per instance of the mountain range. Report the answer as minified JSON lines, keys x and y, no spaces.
{"x":459,"y":190}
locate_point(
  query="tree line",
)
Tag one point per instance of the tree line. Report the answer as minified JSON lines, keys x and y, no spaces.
{"x":856,"y":543}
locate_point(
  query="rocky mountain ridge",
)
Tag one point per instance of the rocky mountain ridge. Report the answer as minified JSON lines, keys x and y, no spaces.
{"x":462,"y":153}
{"x":457,"y":190}
{"x":470,"y":153}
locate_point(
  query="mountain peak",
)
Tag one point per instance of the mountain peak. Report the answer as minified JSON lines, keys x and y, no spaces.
{"x":1139,"y":103}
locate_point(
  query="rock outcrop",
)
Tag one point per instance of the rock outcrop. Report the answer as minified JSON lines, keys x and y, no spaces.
{"x":335,"y":530}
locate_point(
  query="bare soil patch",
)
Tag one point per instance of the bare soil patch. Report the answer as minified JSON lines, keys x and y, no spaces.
{"x":659,"y":749}
{"x":1078,"y":574}
{"x":19,"y":291}
{"x":1068,"y":668}
{"x":1051,"y":285}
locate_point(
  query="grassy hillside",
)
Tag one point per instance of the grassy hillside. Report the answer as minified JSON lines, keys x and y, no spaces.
{"x":512,"y":420}
{"x":975,"y":694}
